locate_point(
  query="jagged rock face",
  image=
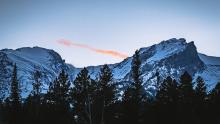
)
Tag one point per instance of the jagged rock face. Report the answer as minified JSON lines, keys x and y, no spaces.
{"x":169,"y":58}
{"x":187,"y":59}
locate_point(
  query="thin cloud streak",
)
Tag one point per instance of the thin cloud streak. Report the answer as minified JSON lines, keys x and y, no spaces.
{"x":69,"y":43}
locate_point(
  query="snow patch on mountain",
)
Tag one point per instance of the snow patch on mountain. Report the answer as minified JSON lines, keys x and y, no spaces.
{"x":167,"y":48}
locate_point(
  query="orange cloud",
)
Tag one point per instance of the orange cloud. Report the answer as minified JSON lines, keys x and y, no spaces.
{"x":101,"y":51}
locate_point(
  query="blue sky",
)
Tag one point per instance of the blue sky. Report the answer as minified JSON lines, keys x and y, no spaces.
{"x":123,"y":26}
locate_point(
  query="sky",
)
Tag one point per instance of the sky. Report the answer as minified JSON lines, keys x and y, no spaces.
{"x":94,"y":32}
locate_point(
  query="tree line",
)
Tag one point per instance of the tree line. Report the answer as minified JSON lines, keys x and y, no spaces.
{"x":88,"y":101}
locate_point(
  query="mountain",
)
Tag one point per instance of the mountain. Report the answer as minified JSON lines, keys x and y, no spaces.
{"x":28,"y":60}
{"x":170,"y":57}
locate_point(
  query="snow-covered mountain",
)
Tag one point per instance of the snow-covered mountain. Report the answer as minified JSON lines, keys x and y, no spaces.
{"x":28,"y":60}
{"x":170,"y":57}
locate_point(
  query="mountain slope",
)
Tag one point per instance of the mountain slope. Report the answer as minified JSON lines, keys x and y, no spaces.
{"x":28,"y":60}
{"x":209,"y":60}
{"x":211,"y":74}
{"x":170,"y":57}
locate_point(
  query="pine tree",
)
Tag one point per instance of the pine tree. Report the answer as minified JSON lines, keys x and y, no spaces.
{"x":186,"y":88}
{"x":36,"y":84}
{"x":56,"y":103}
{"x":200,"y":90}
{"x":168,"y":92}
{"x":58,"y":92}
{"x":187,"y":95}
{"x":36,"y":92}
{"x":134,"y":97}
{"x":200,"y":100}
{"x":47,"y":111}
{"x":32,"y":103}
{"x":136,"y":76}
{"x":4,"y":82}
{"x":62,"y":87}
{"x":61,"y":98}
{"x":106,"y":93}
{"x":49,"y":97}
{"x":166,"y":101}
{"x":15,"y":99}
{"x":130,"y":110}
{"x":82,"y":97}
{"x":15,"y":91}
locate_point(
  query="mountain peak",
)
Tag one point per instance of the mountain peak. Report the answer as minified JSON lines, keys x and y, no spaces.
{"x":163,"y":50}
{"x":174,"y":41}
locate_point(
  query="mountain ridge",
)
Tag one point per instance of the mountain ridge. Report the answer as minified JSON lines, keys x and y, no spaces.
{"x":170,"y":57}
